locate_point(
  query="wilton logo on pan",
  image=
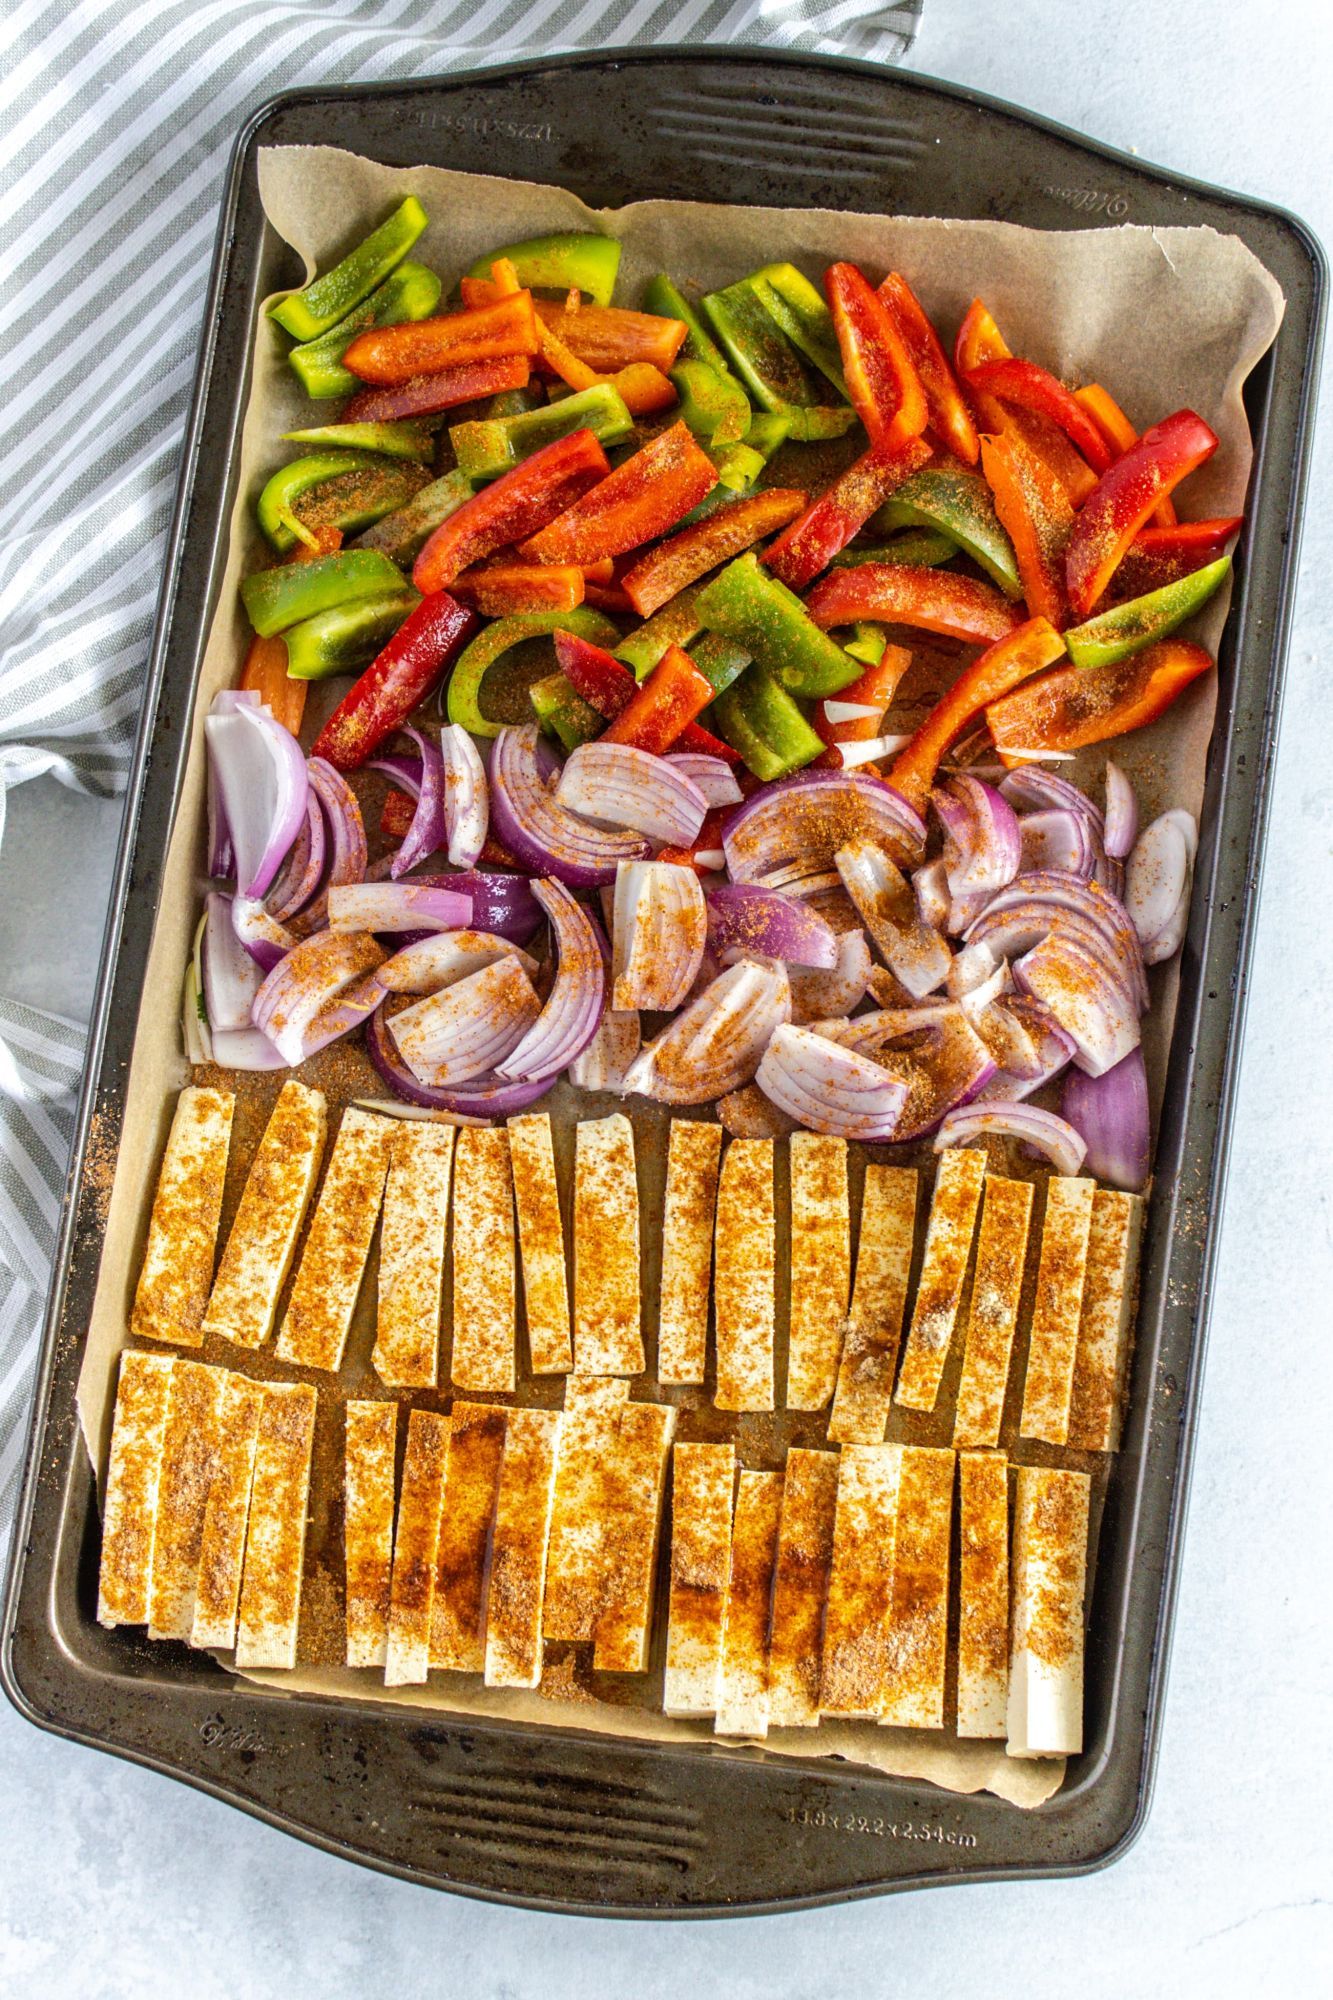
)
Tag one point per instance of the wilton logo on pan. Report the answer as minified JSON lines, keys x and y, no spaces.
{"x":1091,"y":201}
{"x":485,"y":128}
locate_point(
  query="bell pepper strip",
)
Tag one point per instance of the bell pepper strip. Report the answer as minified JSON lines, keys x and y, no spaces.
{"x":329,"y":298}
{"x":738,"y":466}
{"x":708,"y":840}
{"x":768,"y":432}
{"x":868,"y":643}
{"x":265,"y":674}
{"x":676,"y":623}
{"x":1159,"y":556}
{"x":498,"y":589}
{"x":949,"y":417}
{"x":402,"y":534}
{"x":277,"y":598}
{"x":674,"y":693}
{"x":948,"y":500}
{"x":1124,"y":499}
{"x":719,"y":660}
{"x":664,"y":298}
{"x":828,"y":524}
{"x":712,"y":402}
{"x":404,"y":440}
{"x":980,"y":340}
{"x":608,"y":597}
{"x":1034,"y":388}
{"x":397,"y":814}
{"x":463,"y":699}
{"x":1002,"y":667}
{"x":1120,"y":434}
{"x":669,"y":567}
{"x":596,"y":675}
{"x":514,"y":507}
{"x":446,"y":389}
{"x":390,"y":355}
{"x":758,"y":718}
{"x":1035,"y":513}
{"x":796,"y":307}
{"x":336,"y":489}
{"x":874,"y":691}
{"x":634,"y":504}
{"x":644,"y":389}
{"x":610,"y":338}
{"x":882,"y":381}
{"x":756,"y":611}
{"x":490,"y":446}
{"x":1127,"y":628}
{"x":1074,"y":706}
{"x":919,"y":548}
{"x":576,"y":258}
{"x":402,"y":675}
{"x":774,"y":374}
{"x":563,"y":713}
{"x":345,"y":638}
{"x":410,"y":292}
{"x":958,"y":607}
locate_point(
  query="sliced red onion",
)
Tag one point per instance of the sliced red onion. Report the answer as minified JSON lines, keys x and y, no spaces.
{"x":934,"y":1050}
{"x":715,"y":1044}
{"x":964,"y":911}
{"x":828,"y":1088}
{"x":1122,"y":812}
{"x":427,"y":833}
{"x":1157,"y":883}
{"x":1031,"y":789}
{"x":393,"y":1107}
{"x":466,"y":802}
{"x":915,"y":953}
{"x":1051,"y":1050}
{"x":504,"y":904}
{"x":438,"y":960}
{"x":464,"y":1031}
{"x":816,"y":994}
{"x":981,"y":839}
{"x":221,"y":862}
{"x":606,"y":1061}
{"x":930,"y":888}
{"x":745,"y":917}
{"x":971,"y":968}
{"x":265,"y":940}
{"x":800,"y":879}
{"x":713,"y":775}
{"x":1110,"y":1114}
{"x":347,"y":841}
{"x":246,"y":1049}
{"x":1041,"y":1130}
{"x":1007,"y":933}
{"x":568,"y":1021}
{"x":1057,"y":838}
{"x":406,"y":772}
{"x":397,"y":906}
{"x":312,"y":974}
{"x":806,"y":818}
{"x":659,"y":928}
{"x":338,"y":1017}
{"x":478,"y":1103}
{"x":262,"y":789}
{"x":1087,"y":899}
{"x":303,"y":870}
{"x":540,"y":832}
{"x":613,"y":784}
{"x":231,"y":977}
{"x":1087,"y":1001}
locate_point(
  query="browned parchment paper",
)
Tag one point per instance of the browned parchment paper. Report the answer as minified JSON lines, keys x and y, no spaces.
{"x":1163,"y":317}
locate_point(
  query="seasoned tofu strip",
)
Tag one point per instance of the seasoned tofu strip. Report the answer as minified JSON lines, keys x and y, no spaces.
{"x":1050,"y":1577}
{"x":190,"y":1452}
{"x":371,"y":1440}
{"x":1105,"y":1322}
{"x":275,"y":1544}
{"x":919,"y":1607}
{"x":879,"y":1300}
{"x":133,"y":1480}
{"x":257,"y":1260}
{"x":743,"y":1277}
{"x":983,"y":1593}
{"x":484,"y":1273}
{"x":702,"y":1479}
{"x":953,"y":1215}
{"x":608,"y":1338}
{"x":222,"y":1550}
{"x":183,"y":1228}
{"x":634,"y":1493}
{"x":519,"y":1549}
{"x":1057,"y":1309}
{"x":462,"y":1560}
{"x":742,"y":1701}
{"x":541,"y":1236}
{"x":693,"y":1159}
{"x":997,"y":1285}
{"x":575,"y":1566}
{"x":854,"y":1674}
{"x":821,"y":1267}
{"x":800,"y":1586}
{"x":411,"y":1280}
{"x":328,"y":1278}
{"x":416,"y":1548}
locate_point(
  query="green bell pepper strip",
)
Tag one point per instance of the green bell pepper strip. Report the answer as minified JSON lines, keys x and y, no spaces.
{"x":661,"y":296}
{"x":563,"y":713}
{"x":348,"y":636}
{"x":867,"y":642}
{"x":475,"y":661}
{"x":744,"y":603}
{"x":577,"y":257}
{"x":517,"y":402}
{"x":768,"y":432}
{"x":712,"y":402}
{"x":719,"y":660}
{"x":676,"y":624}
{"x":958,"y":504}
{"x":1128,"y":628}
{"x":409,"y":293}
{"x":739,"y":465}
{"x":370,"y":488}
{"x":277,"y":598}
{"x":760,"y":720}
{"x":391,"y":440}
{"x":494,"y":445}
{"x":327,"y":299}
{"x":773,"y":372}
{"x":403,"y":534}
{"x":798,"y":309}
{"x":918,"y":549}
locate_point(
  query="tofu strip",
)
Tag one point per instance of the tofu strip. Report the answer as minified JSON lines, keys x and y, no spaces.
{"x":1057,"y":1309}
{"x":997,"y":1285}
{"x":953,"y":1215}
{"x":608,"y":1338}
{"x":743,"y":1277}
{"x":1050,"y":1577}
{"x":742,"y":1703}
{"x":190,"y":1454}
{"x":415,"y":1549}
{"x":800,"y":1586}
{"x":575,"y":1566}
{"x":702,"y":1479}
{"x":463,"y":1554}
{"x":879,"y":1300}
{"x":1106,"y":1321}
{"x":133,"y":1481}
{"x":821,"y":1267}
{"x":519,"y":1549}
{"x":371,"y":1440}
{"x":328,"y":1279}
{"x":485,"y":1280}
{"x":222,"y":1550}
{"x":919,"y":1606}
{"x":257,"y":1260}
{"x":635,"y":1491}
{"x":694,"y":1157}
{"x":541,"y":1236}
{"x":177,"y":1270}
{"x":854,"y":1671}
{"x":983,"y":1593}
{"x":275,"y":1544}
{"x":411,"y":1277}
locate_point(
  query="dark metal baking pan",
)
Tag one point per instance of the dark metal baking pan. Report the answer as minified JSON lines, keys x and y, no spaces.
{"x":556,"y":1819}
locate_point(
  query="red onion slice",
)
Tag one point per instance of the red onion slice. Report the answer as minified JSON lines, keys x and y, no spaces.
{"x":336,"y":1018}
{"x":744,"y":917}
{"x":484,"y":1099}
{"x":568,"y":1021}
{"x":1122,"y":813}
{"x":1041,"y":1130}
{"x":1085,"y":999}
{"x":806,"y":818}
{"x":981,"y":837}
{"x":915,"y":953}
{"x":303,"y":870}
{"x":466,"y":1030}
{"x":1057,"y":838}
{"x":831,"y":1089}
{"x":397,"y":906}
{"x":405,"y":772}
{"x":466,"y":803}
{"x":817,"y":994}
{"x":1157,"y":884}
{"x":1110,"y":1114}
{"x":613,"y":784}
{"x":1087,"y":899}
{"x":245,"y":1049}
{"x":312,"y":974}
{"x":713,"y":775}
{"x":930,"y":888}
{"x":261,"y":786}
{"x":659,"y":929}
{"x":543,"y":834}
{"x":437,"y":961}
{"x":934,"y":1050}
{"x":231,"y":977}
{"x":1051,"y":1050}
{"x":266,"y":941}
{"x":1030,"y":789}
{"x":504,"y":904}
{"x":715,"y":1044}
{"x":427,"y":832}
{"x":606,"y":1061}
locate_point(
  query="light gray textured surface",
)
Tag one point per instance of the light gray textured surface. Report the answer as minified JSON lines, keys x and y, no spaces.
{"x":114,"y":1883}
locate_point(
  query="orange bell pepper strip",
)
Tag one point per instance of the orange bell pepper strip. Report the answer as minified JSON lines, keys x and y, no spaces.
{"x":265,"y":674}
{"x":882,"y":381}
{"x":607,"y":685}
{"x":673,"y":694}
{"x":1075,"y":706}
{"x":1125,"y":498}
{"x":497,"y":589}
{"x":950,"y":418}
{"x":390,"y":355}
{"x":608,"y":597}
{"x":1033,"y":388}
{"x":829,"y":523}
{"x":1120,"y":434}
{"x":980,"y":340}
{"x":1036,"y":515}
{"x":959,"y":607}
{"x":515,"y":505}
{"x":427,"y":395}
{"x":608,"y":338}
{"x":1159,"y":556}
{"x":875,"y":690}
{"x":636,"y":503}
{"x":667,"y":569}
{"x":1003,"y":666}
{"x":643,"y":388}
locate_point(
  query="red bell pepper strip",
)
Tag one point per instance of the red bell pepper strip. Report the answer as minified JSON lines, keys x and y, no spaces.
{"x":673,"y":694}
{"x":514,"y":506}
{"x":875,"y":690}
{"x":980,"y":340}
{"x":427,"y":395}
{"x":1120,"y":434}
{"x":1013,"y":659}
{"x":1036,"y":389}
{"x":637,"y":502}
{"x":1159,"y":556}
{"x":950,"y":418}
{"x":609,"y":597}
{"x":1035,"y":513}
{"x":670,"y":567}
{"x":1125,"y":497}
{"x":265,"y":674}
{"x":1075,"y":706}
{"x":381,"y":700}
{"x":389,"y":355}
{"x":829,"y":523}
{"x":498,"y":589}
{"x":935,"y":600}
{"x":609,"y":687}
{"x":709,"y":838}
{"x":398,"y":812}
{"x":882,"y":382}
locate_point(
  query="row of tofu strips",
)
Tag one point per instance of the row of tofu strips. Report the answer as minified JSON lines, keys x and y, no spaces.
{"x":824,"y":1590}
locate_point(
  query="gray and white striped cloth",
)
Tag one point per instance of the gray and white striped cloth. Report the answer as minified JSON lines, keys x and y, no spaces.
{"x":116,"y":117}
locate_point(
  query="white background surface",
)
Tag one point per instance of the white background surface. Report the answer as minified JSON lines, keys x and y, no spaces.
{"x":117,"y":1884}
